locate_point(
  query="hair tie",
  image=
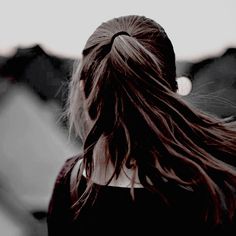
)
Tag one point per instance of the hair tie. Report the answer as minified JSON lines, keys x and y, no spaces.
{"x":117,"y":34}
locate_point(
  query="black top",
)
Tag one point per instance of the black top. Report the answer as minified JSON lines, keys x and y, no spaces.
{"x":114,"y":212}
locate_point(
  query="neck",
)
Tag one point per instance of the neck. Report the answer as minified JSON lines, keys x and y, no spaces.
{"x":104,"y":169}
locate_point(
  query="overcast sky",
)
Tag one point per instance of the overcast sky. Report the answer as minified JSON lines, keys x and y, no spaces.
{"x":197,"y":28}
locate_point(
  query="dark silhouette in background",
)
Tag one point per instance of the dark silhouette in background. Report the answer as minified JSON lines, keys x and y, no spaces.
{"x":46,"y":74}
{"x":213,"y":79}
{"x":214,"y":84}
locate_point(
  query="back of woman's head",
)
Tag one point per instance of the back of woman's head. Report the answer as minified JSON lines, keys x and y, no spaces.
{"x":136,"y":40}
{"x":128,"y":69}
{"x":126,"y":60}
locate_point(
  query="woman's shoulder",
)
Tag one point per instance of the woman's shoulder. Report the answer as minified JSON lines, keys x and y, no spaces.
{"x":67,"y":167}
{"x":61,"y":189}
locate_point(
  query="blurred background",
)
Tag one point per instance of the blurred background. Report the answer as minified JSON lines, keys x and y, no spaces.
{"x":40,"y":41}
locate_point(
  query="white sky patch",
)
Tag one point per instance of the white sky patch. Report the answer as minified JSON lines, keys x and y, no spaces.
{"x":196,"y":28}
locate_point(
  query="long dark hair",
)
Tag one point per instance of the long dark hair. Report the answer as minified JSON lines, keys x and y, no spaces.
{"x":130,"y":93}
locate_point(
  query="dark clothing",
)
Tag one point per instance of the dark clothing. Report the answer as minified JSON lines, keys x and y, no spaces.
{"x":114,"y":212}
